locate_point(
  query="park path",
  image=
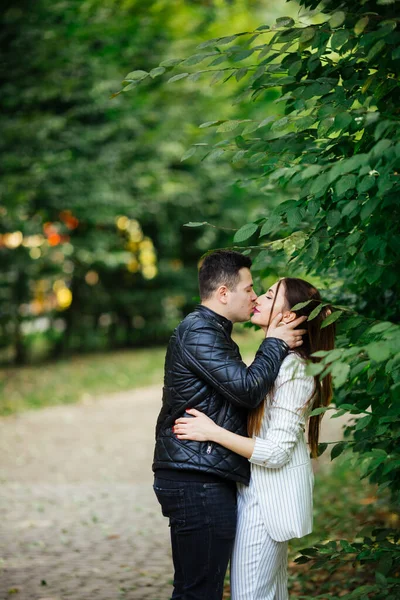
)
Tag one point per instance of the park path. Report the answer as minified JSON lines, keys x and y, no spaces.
{"x":79,"y":520}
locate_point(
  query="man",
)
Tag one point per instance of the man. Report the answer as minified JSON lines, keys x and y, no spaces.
{"x":195,"y":481}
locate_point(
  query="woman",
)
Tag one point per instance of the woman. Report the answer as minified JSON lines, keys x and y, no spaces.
{"x":277,"y":505}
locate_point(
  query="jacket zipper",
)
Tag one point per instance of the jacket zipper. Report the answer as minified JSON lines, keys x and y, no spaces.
{"x":218,"y":422}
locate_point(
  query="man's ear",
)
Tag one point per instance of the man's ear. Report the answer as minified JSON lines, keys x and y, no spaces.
{"x":288,"y":316}
{"x":222,"y":294}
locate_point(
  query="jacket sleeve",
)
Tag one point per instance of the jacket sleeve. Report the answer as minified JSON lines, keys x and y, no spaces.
{"x":208,"y":353}
{"x":293,"y":389}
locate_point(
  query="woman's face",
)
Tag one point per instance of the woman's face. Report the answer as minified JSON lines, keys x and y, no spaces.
{"x":262,"y":312}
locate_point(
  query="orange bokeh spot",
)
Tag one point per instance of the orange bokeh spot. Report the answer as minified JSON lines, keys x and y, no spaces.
{"x":68,"y":218}
{"x":49,"y":228}
{"x":54,"y":239}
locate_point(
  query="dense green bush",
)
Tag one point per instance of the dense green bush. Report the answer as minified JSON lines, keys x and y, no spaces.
{"x":333,"y":144}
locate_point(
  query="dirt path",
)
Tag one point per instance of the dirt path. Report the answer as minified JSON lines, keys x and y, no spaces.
{"x":78,"y":516}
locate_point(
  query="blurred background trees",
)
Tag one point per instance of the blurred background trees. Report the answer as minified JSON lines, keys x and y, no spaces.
{"x":93,"y":192}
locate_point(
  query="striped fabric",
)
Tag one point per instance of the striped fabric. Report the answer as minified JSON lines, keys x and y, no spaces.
{"x":277,"y":505}
{"x":259,"y":563}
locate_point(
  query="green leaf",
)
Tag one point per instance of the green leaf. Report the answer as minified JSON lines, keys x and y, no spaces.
{"x":136,"y":75}
{"x":369,"y":207}
{"x":345,"y":183}
{"x":245,"y":232}
{"x":307,"y":35}
{"x":195,"y":59}
{"x":279,"y":124}
{"x":380,"y":327}
{"x":195,"y":224}
{"x":130,"y":86}
{"x":331,"y":319}
{"x":272,"y":223}
{"x":295,"y":67}
{"x":350,"y":208}
{"x":366,"y":184}
{"x":378,"y":351}
{"x":188,"y":153}
{"x":343,"y":120}
{"x":321,"y":448}
{"x":314,"y":313}
{"x":230,"y":125}
{"x":226,"y":39}
{"x":284,"y":22}
{"x":157,"y":71}
{"x":300,"y":305}
{"x":210,"y":124}
{"x":338,"y":449}
{"x":376,"y":49}
{"x":363,"y":422}
{"x":337,"y":19}
{"x":333,"y":218}
{"x":170,"y":62}
{"x":318,"y":411}
{"x":216,"y":153}
{"x":311,"y":171}
{"x":361,"y":25}
{"x":340,"y":372}
{"x":266,"y":121}
{"x":177,"y":77}
{"x":339,"y":38}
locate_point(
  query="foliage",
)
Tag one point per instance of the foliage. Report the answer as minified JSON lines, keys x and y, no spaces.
{"x":93,"y":190}
{"x":333,"y":145}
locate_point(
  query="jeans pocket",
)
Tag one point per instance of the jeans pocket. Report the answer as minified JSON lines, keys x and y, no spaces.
{"x":172,"y":504}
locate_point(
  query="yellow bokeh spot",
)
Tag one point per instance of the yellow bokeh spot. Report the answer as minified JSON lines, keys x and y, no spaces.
{"x":135,"y":235}
{"x":122,"y":222}
{"x":147,"y":244}
{"x":91,"y":278}
{"x":59,"y":285}
{"x":64,"y":297}
{"x":133,"y":266}
{"x":131,"y":246}
{"x":35,"y":253}
{"x":134,"y":225}
{"x":13,"y":240}
{"x":147,"y":258}
{"x":33,"y":241}
{"x":149,"y":271}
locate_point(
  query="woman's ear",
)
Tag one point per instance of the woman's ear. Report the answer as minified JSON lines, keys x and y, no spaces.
{"x":288,"y":316}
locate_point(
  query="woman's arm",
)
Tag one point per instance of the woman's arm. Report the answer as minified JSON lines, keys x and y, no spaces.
{"x":202,"y":429}
{"x":286,"y":416}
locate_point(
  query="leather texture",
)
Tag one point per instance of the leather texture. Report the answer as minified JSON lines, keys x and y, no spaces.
{"x":204,"y":370}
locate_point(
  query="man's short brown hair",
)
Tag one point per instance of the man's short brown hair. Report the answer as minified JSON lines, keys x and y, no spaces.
{"x":221,"y":268}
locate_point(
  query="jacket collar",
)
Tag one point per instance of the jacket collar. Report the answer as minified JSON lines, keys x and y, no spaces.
{"x":213,"y":316}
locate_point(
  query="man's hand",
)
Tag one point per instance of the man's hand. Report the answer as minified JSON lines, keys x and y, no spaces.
{"x":287,"y":332}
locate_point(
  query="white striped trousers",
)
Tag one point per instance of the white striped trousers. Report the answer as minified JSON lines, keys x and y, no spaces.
{"x":259,"y":563}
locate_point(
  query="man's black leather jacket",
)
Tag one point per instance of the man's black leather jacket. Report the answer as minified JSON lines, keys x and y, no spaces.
{"x":204,"y":369}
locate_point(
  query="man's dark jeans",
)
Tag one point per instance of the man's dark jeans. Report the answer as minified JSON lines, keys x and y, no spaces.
{"x":202,"y":518}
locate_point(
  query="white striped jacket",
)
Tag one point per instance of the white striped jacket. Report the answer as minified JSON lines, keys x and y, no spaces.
{"x":281,"y":472}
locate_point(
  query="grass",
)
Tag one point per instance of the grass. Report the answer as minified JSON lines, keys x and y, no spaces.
{"x":69,"y":380}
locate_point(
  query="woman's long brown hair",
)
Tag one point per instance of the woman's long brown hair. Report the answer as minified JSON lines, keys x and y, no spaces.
{"x":296,"y":291}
